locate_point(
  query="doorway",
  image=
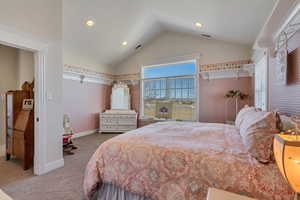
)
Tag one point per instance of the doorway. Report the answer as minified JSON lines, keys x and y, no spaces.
{"x":16,"y":119}
{"x":39,"y":49}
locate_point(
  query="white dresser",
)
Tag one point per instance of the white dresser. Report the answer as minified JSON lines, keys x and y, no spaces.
{"x":117,"y":121}
{"x":120,"y":118}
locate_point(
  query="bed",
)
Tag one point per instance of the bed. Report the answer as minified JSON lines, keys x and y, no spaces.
{"x":180,"y":160}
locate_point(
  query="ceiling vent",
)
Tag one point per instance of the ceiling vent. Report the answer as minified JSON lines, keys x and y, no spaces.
{"x":206,"y":36}
{"x":138,"y":47}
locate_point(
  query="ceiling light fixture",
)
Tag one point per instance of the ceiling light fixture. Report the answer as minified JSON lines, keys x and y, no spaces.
{"x":124,"y":43}
{"x":90,"y":23}
{"x":199,"y":25}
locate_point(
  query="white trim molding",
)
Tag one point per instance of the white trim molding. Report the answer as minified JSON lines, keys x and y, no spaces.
{"x":233,"y":69}
{"x":54,"y":165}
{"x":237,"y":73}
{"x":85,"y":75}
{"x":87,"y":79}
{"x":40,"y":128}
{"x":85,"y":133}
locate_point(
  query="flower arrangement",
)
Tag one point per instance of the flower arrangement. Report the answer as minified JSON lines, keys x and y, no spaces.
{"x":236,"y":94}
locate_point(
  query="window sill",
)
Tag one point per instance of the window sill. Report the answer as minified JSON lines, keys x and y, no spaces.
{"x":164,"y":120}
{"x":153,"y":120}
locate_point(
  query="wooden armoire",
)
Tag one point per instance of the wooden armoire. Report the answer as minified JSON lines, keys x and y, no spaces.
{"x":19,"y":128}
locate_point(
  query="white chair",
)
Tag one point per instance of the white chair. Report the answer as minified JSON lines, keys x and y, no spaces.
{"x":68,"y":145}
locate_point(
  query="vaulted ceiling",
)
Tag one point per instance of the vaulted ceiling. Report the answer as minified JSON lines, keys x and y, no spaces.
{"x":138,"y":21}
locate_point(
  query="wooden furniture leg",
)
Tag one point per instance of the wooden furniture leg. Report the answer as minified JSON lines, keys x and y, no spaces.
{"x":8,"y":156}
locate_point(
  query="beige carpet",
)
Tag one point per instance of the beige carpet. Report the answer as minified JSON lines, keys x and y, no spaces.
{"x":12,"y":171}
{"x":61,"y":184}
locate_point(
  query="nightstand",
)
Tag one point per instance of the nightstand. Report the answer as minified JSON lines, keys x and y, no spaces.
{"x":215,"y":194}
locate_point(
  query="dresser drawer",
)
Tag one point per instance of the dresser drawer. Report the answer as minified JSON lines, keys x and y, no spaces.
{"x":103,"y":115}
{"x":127,"y":116}
{"x":109,"y":120}
{"x":127,"y":121}
{"x":106,"y":127}
{"x":126,"y":127}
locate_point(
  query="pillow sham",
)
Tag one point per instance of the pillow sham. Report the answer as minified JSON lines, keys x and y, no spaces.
{"x":243,"y":112}
{"x":257,"y":131}
{"x":286,"y":123}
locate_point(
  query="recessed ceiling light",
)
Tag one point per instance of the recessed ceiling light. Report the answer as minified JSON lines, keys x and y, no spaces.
{"x":124,"y":43}
{"x":199,"y":25}
{"x":90,"y":23}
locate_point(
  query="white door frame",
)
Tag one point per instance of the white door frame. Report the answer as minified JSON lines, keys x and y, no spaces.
{"x":17,"y":40}
{"x":264,"y":59}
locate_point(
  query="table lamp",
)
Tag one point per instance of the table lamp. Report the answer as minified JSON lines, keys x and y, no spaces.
{"x":287,"y":155}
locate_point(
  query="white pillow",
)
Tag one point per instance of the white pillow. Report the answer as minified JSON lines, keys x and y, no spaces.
{"x":240,"y":117}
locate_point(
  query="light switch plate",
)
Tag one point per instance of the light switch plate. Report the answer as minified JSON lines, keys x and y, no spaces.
{"x":49,"y":96}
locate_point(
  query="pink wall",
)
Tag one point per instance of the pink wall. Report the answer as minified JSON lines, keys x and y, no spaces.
{"x":286,"y":98}
{"x":212,"y":100}
{"x":83,"y":102}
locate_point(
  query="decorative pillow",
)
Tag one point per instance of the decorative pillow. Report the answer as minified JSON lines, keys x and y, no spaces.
{"x":240,"y":117}
{"x":286,"y":123}
{"x":257,"y":131}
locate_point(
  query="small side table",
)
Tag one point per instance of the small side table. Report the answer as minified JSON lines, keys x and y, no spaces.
{"x":216,"y":194}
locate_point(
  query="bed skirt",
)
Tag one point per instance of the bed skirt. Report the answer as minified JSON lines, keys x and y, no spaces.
{"x":112,"y":192}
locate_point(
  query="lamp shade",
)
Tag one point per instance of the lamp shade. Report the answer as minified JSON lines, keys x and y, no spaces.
{"x":287,"y":155}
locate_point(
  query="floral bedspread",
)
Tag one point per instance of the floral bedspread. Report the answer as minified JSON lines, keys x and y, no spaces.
{"x":179,"y":161}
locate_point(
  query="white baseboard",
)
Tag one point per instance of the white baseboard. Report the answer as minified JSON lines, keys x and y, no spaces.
{"x":2,"y":150}
{"x":60,"y":163}
{"x":53,"y":165}
{"x":85,"y":133}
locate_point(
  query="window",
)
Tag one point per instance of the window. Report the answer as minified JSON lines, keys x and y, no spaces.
{"x":169,"y":91}
{"x":261,"y":83}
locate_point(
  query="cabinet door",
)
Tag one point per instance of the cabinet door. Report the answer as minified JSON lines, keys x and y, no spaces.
{"x":19,"y":144}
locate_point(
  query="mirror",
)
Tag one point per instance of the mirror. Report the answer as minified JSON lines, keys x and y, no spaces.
{"x":120,"y":97}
